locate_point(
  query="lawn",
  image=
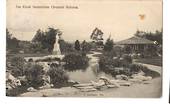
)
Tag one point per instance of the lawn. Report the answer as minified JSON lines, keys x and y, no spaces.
{"x":153,"y":61}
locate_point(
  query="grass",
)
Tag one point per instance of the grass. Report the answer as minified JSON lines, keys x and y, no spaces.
{"x":153,"y":61}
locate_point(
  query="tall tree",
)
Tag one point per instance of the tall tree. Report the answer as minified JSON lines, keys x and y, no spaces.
{"x":109,"y":45}
{"x":96,"y":35}
{"x":12,"y":42}
{"x":47,"y":39}
{"x":77,"y":45}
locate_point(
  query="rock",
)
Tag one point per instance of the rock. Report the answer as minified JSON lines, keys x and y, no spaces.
{"x":115,"y":58}
{"x":103,"y":87}
{"x":86,"y":87}
{"x":104,"y":78}
{"x":46,"y":78}
{"x":31,"y":89}
{"x":8,"y":86}
{"x":142,"y":78}
{"x":83,"y":84}
{"x":114,"y":82}
{"x":11,"y":81}
{"x":112,"y":86}
{"x":72,"y":82}
{"x":121,"y":77}
{"x":98,"y":84}
{"x":46,"y":86}
{"x":125,"y":84}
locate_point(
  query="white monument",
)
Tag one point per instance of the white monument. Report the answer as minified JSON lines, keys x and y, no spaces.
{"x":56,"y":49}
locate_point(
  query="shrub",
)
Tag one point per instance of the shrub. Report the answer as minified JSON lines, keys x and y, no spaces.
{"x":110,"y":53}
{"x":34,"y":74}
{"x":16,"y":65}
{"x":108,"y":45}
{"x":106,"y":65}
{"x":75,"y":61}
{"x":48,"y":59}
{"x":30,"y":60}
{"x":58,"y":76}
{"x":66,"y":47}
{"x":126,"y":60}
{"x":86,"y":47}
{"x":127,"y":50}
{"x":77,"y":45}
{"x":135,"y":68}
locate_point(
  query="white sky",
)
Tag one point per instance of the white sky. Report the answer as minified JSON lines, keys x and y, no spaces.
{"x":118,"y":18}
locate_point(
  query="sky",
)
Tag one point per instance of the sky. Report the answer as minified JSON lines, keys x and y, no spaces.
{"x":117,"y":18}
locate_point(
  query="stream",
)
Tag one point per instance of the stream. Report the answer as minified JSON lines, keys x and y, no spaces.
{"x":91,"y":73}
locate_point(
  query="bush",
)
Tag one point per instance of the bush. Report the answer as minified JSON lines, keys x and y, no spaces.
{"x":34,"y":74}
{"x":58,"y":76}
{"x":75,"y":61}
{"x":86,"y":47}
{"x":106,"y":65}
{"x":77,"y":45}
{"x":48,"y":59}
{"x":110,"y":53}
{"x":16,"y":65}
{"x":136,"y":68}
{"x":66,"y":47}
{"x":108,"y":45}
{"x":126,"y":60}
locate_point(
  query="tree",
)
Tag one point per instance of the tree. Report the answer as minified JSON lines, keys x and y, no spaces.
{"x":108,"y":45}
{"x":12,"y":42}
{"x":156,"y":36}
{"x":77,"y":45}
{"x":39,"y":36}
{"x":96,"y":35}
{"x":47,"y":39}
{"x":85,"y":46}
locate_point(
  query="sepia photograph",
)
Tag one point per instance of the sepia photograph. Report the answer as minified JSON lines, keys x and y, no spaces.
{"x":83,"y":48}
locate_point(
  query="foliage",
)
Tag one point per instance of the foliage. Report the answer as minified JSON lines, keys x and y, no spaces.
{"x":12,"y":43}
{"x":126,"y":60}
{"x":36,"y":48}
{"x":46,"y":39}
{"x":135,"y":68}
{"x":156,"y":36}
{"x":150,"y":51}
{"x":108,"y":45}
{"x":48,"y":59}
{"x":96,"y":35}
{"x":86,"y":47}
{"x":66,"y":47}
{"x":127,"y":49}
{"x":16,"y":65}
{"x":115,"y":65}
{"x":34,"y":74}
{"x":110,"y":66}
{"x":110,"y":53}
{"x":75,"y":61}
{"x":106,"y":63}
{"x":58,"y":76}
{"x":77,"y":45}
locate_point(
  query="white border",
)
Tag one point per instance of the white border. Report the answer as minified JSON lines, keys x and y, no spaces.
{"x":14,"y":100}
